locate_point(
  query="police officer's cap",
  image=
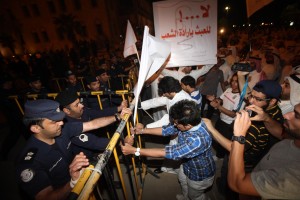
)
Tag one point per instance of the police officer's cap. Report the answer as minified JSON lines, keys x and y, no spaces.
{"x":69,"y":73}
{"x":66,"y":97}
{"x":34,"y":78}
{"x":90,"y":79}
{"x":43,"y":108}
{"x":100,"y":71}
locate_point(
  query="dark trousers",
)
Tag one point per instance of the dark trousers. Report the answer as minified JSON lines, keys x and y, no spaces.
{"x":227,"y":131}
{"x":210,"y":109}
{"x":223,"y":185}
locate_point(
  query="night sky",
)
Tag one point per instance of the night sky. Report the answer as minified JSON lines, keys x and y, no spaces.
{"x":238,"y":14}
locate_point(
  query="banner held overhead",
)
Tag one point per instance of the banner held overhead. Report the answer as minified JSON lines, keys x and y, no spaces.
{"x":191,"y":27}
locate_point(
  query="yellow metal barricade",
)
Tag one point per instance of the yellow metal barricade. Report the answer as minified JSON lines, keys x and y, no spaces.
{"x":84,"y":188}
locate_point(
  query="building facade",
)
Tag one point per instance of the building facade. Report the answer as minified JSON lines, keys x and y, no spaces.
{"x":29,"y":26}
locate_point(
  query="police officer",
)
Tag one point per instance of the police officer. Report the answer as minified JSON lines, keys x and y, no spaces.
{"x":71,"y":105}
{"x":47,"y":168}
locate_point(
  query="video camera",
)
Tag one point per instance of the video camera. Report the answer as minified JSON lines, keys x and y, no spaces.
{"x":245,"y":67}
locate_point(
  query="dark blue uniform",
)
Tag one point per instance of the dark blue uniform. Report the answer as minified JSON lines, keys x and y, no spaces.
{"x":41,"y":165}
{"x":89,"y":143}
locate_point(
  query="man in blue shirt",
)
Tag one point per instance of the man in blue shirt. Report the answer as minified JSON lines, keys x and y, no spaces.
{"x":197,"y":170}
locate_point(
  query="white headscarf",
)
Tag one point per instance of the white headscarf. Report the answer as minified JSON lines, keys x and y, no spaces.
{"x":295,"y":90}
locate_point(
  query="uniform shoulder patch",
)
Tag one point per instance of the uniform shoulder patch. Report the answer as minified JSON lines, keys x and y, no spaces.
{"x":83,"y":137}
{"x":27,"y":175}
{"x":31,"y":153}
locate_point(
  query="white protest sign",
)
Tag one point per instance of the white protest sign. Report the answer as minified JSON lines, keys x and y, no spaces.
{"x":191,"y":27}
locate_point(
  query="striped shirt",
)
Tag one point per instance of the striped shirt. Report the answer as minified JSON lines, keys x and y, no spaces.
{"x":196,"y":95}
{"x":258,"y":138}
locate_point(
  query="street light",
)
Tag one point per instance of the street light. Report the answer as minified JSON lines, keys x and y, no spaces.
{"x":222,"y":30}
{"x":227,"y":8}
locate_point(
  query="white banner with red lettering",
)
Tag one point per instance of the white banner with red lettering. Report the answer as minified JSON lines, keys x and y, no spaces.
{"x":191,"y":27}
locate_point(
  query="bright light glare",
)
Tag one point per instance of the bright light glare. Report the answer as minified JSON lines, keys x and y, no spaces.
{"x":291,"y":23}
{"x":222,"y":30}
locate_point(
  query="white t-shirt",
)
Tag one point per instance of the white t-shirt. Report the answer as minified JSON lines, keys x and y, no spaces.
{"x":230,"y":102}
{"x":277,"y":175}
{"x":164,"y":101}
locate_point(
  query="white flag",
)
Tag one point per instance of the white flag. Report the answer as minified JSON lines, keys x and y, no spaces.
{"x":154,"y":53}
{"x":255,"y":5}
{"x":130,"y":40}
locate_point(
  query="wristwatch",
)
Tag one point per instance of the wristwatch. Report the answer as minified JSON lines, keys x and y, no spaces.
{"x":137,"y":152}
{"x":240,"y":139}
{"x":117,"y":116}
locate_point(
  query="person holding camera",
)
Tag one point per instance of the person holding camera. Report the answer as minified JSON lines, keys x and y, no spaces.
{"x":266,"y":126}
{"x":276,"y":176}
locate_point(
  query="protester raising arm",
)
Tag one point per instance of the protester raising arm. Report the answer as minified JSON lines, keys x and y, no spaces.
{"x":238,"y":180}
{"x":139,"y":130}
{"x":223,"y":141}
{"x":127,"y":149}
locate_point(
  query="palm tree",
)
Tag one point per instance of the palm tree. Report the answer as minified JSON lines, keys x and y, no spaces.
{"x":69,"y":26}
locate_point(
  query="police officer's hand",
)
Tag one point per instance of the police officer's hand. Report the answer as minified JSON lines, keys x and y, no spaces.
{"x":124,"y":104}
{"x":79,"y":162}
{"x":125,"y":111}
{"x":127,"y":149}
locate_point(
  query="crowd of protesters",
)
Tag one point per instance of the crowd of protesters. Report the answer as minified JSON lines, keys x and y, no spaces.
{"x":267,"y":86}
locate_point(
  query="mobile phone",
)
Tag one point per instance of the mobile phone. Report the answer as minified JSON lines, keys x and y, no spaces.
{"x":251,"y":113}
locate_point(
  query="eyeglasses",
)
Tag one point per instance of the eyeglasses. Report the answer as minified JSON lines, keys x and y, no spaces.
{"x":257,"y":98}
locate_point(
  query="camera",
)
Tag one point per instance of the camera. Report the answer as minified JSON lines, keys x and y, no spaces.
{"x":245,"y":67}
{"x":251,"y":113}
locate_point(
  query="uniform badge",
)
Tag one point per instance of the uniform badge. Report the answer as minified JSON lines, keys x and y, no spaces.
{"x":83,"y":138}
{"x":30,"y":155}
{"x":27,"y":175}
